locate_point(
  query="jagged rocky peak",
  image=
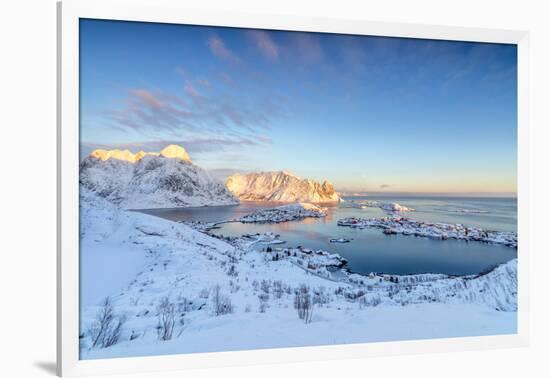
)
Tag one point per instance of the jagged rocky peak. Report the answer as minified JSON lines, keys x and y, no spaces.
{"x":328,"y":187}
{"x":175,"y":152}
{"x":280,"y":186}
{"x":172,"y":151}
{"x":104,"y":155}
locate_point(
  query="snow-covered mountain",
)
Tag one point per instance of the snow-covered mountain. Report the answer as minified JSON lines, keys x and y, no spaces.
{"x":151,"y":179}
{"x":280,"y":186}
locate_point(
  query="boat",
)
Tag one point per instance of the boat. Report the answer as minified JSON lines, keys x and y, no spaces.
{"x":340,"y":240}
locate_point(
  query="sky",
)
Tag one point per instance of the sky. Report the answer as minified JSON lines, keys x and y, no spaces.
{"x":369,"y":114}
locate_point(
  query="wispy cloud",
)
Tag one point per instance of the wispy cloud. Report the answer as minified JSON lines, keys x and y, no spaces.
{"x":147,"y":110}
{"x":206,"y":115}
{"x":218,"y":48}
{"x":307,"y":47}
{"x":384,"y":186}
{"x":265,"y":44}
{"x":190,"y":89}
{"x":146,"y":98}
{"x":155,"y":111}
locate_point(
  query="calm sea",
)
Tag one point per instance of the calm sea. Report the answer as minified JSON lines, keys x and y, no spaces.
{"x":372,"y":251}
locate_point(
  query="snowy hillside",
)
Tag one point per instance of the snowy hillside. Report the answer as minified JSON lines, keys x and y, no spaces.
{"x":172,"y":289}
{"x":151,"y":180}
{"x":280,"y":186}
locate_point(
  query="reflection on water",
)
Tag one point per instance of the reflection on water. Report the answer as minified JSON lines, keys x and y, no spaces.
{"x":371,"y":250}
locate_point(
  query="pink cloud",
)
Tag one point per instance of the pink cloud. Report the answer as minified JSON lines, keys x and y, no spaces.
{"x":199,"y":111}
{"x":147,"y":97}
{"x":191,"y":90}
{"x":265,"y":44}
{"x":219,"y":49}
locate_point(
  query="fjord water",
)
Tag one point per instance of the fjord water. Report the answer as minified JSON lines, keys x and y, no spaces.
{"x":372,"y":251}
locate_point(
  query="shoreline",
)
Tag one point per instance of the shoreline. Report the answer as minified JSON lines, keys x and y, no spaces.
{"x":390,"y":225}
{"x":343,"y":268}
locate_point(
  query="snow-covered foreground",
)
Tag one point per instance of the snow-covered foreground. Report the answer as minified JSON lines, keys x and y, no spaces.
{"x":332,"y":326}
{"x":176,"y":290}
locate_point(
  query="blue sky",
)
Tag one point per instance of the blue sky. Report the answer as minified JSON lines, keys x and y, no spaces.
{"x":366,"y":113}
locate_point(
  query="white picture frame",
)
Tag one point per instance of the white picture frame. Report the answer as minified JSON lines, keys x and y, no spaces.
{"x":164,"y":11}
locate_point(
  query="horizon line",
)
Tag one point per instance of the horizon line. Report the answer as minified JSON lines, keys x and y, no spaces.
{"x":455,"y":194}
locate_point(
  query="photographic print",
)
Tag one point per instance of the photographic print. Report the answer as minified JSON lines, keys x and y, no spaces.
{"x":248,"y":189}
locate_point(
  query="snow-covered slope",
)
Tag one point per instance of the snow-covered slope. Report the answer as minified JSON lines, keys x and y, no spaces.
{"x":151,"y":180}
{"x":280,"y":186}
{"x":151,"y":261}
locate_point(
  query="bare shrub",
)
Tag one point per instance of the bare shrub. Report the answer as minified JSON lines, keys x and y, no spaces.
{"x":303,"y":303}
{"x":166,"y":313}
{"x":264,"y":299}
{"x":107,"y":328}
{"x":278,"y":289}
{"x":183,"y":304}
{"x":266,"y":286}
{"x":288,"y":289}
{"x":135,"y":300}
{"x":232,"y":271}
{"x":134,"y":335}
{"x":205,"y":293}
{"x":220,"y":302}
{"x":113,"y":335}
{"x":321,"y":296}
{"x":353,"y":295}
{"x":369,"y":301}
{"x":233,"y":287}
